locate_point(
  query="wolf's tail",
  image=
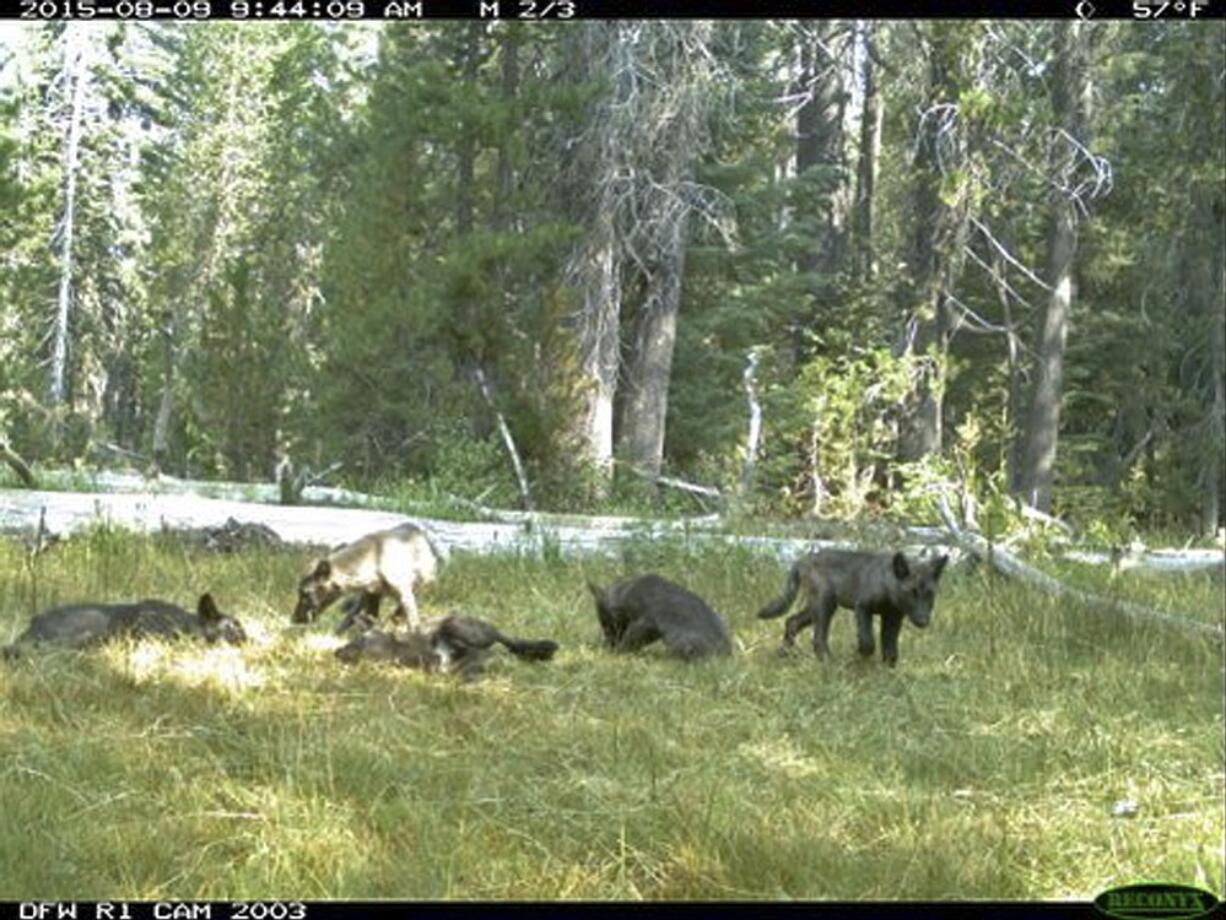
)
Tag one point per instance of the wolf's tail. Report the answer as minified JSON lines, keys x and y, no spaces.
{"x":529,"y":649}
{"x":784,"y":601}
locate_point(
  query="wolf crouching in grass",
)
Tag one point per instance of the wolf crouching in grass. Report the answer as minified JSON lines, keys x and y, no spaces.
{"x":83,"y":625}
{"x":447,"y":644}
{"x":388,"y":562}
{"x":637,"y":611}
{"x":881,"y":584}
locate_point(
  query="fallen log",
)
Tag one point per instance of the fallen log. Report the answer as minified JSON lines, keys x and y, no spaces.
{"x":303,"y":525}
{"x":1008,"y":564}
{"x":788,"y":537}
{"x":1158,"y":561}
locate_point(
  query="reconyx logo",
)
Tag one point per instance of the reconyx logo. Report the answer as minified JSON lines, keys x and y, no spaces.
{"x":1155,"y":899}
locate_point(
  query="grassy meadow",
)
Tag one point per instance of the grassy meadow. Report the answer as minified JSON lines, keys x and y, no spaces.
{"x":986,"y":766}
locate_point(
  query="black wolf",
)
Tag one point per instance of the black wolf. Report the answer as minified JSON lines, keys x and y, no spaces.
{"x":387,"y":562}
{"x":81,"y":625}
{"x":637,"y":611}
{"x":447,"y":644}
{"x":884,"y":584}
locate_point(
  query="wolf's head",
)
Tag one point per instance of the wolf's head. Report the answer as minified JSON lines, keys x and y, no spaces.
{"x":316,"y":590}
{"x":915,"y":591}
{"x":215,"y":625}
{"x":610,"y":625}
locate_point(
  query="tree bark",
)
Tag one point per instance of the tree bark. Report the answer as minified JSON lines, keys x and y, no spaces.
{"x":941,"y":222}
{"x":1072,"y":109}
{"x":820,"y":147}
{"x":75,"y":72}
{"x":18,"y":465}
{"x":596,"y":266}
{"x":869,"y":160}
{"x":1214,"y":472}
{"x":510,"y":90}
{"x":754,"y":437}
{"x":467,"y":58}
{"x":599,"y":334}
{"x":521,"y":478}
{"x":651,"y":364}
{"x":161,"y":425}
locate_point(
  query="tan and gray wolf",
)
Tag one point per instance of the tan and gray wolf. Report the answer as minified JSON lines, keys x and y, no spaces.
{"x":882,"y":584}
{"x":447,"y":644}
{"x":642,"y":609}
{"x":82,"y":625}
{"x":388,"y":562}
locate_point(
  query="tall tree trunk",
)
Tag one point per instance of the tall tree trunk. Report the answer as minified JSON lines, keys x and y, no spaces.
{"x":75,"y":73}
{"x":941,"y":221}
{"x":166,"y":405}
{"x":1072,"y":86}
{"x":678,"y":105}
{"x":471,"y":356}
{"x":1013,"y":401}
{"x":467,"y":59}
{"x":595,"y":267}
{"x":1215,"y":470}
{"x":869,"y":157}
{"x":599,"y":335}
{"x":510,"y":90}
{"x":820,"y":146}
{"x":1212,"y":300}
{"x":651,"y":365}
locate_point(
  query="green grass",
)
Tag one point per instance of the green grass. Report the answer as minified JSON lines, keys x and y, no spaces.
{"x":985,"y":766}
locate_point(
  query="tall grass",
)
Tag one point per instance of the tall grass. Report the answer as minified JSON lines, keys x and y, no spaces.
{"x":985,"y":766}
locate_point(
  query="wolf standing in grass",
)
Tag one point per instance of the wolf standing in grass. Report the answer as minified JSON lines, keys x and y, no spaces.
{"x":884,"y":584}
{"x":388,"y":562}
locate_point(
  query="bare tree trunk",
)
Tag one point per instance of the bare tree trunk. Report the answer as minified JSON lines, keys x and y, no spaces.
{"x":667,"y":146}
{"x":510,"y":89}
{"x":521,"y":478}
{"x":467,"y":56}
{"x":470,"y":354}
{"x":75,"y":71}
{"x":161,"y":425}
{"x":869,"y":158}
{"x":754,"y":437}
{"x":1072,"y":108}
{"x":599,"y":335}
{"x":820,"y":146}
{"x":1013,"y":401}
{"x":652,"y":361}
{"x":596,"y":266}
{"x":1214,"y":473}
{"x":18,"y":465}
{"x":940,"y":233}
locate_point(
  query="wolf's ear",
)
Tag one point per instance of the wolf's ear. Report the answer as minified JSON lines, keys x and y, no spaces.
{"x":323,"y":569}
{"x":939,"y":566}
{"x":597,"y":592}
{"x":900,"y":567}
{"x":206,"y":608}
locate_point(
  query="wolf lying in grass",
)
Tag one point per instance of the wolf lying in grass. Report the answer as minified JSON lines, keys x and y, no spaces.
{"x":82,"y":625}
{"x":448,"y":644}
{"x":388,"y":562}
{"x":637,"y":611}
{"x":882,"y":584}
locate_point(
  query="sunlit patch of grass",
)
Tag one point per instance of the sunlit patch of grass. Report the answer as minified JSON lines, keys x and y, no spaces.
{"x":985,"y":766}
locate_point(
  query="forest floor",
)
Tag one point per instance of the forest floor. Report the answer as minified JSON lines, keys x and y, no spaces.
{"x":987,"y":765}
